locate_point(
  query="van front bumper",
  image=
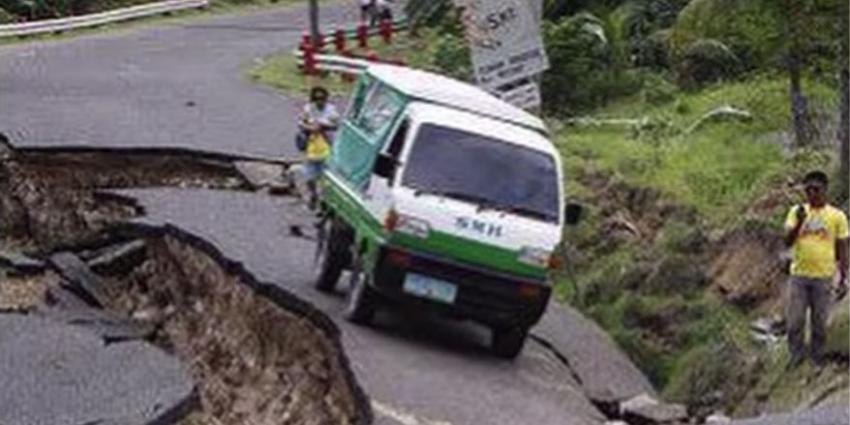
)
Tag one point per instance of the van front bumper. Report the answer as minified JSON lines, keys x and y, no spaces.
{"x":490,"y":297}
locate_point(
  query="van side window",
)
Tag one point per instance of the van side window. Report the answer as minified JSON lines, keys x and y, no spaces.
{"x":361,"y":91}
{"x":397,"y":143}
{"x":382,"y":106}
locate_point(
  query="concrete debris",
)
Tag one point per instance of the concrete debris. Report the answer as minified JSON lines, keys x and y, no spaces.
{"x":19,"y":263}
{"x":656,"y":414}
{"x":636,"y":402}
{"x":80,"y":278}
{"x":717,"y":419}
{"x":263,"y":175}
{"x":119,"y":259}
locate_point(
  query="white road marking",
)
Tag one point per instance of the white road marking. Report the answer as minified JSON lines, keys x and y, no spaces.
{"x":402,"y":417}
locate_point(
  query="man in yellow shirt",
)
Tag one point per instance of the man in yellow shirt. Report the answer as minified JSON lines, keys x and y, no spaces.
{"x":817,"y":234}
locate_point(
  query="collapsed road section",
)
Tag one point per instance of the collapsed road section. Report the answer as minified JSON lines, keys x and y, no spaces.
{"x":106,"y":325}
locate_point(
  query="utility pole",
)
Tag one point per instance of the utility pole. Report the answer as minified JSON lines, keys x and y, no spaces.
{"x":314,"y":22}
{"x":844,"y":87}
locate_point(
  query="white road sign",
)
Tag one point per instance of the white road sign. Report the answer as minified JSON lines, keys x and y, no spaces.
{"x":524,"y":96}
{"x":504,"y":37}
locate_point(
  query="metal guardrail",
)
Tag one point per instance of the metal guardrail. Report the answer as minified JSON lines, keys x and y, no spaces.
{"x":336,"y":63}
{"x":95,"y":19}
{"x":343,"y":64}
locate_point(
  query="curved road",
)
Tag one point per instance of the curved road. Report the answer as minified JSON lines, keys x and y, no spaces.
{"x":178,"y":84}
{"x":182,"y":84}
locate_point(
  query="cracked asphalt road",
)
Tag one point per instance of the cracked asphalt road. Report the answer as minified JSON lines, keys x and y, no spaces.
{"x":419,"y":371}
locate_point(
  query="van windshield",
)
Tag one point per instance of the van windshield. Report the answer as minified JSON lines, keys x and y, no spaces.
{"x":486,"y":171}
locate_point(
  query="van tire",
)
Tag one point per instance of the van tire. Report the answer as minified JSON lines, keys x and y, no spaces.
{"x":332,"y":255}
{"x":508,"y":342}
{"x":361,"y":302}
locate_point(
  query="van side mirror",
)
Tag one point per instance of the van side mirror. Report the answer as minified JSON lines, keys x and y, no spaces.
{"x":573,"y":213}
{"x":385,"y":167}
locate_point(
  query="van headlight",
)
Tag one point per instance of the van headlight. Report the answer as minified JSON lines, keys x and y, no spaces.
{"x":395,"y":222}
{"x":413,"y":226}
{"x":535,"y":256}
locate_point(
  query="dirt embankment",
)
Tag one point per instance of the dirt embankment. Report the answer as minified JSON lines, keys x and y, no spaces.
{"x":681,"y":295}
{"x":253,"y":361}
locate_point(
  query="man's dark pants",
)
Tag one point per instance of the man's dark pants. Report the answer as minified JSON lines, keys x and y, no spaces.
{"x":806,"y":294}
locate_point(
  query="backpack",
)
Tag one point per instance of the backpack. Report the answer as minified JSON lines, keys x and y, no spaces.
{"x":301,"y":141}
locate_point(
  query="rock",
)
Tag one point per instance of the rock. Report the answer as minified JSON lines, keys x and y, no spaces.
{"x":82,"y":280}
{"x":767,"y":326}
{"x":637,"y":402}
{"x":717,"y":419}
{"x":58,"y":374}
{"x":20,"y":263}
{"x":261,"y":175}
{"x":119,"y":259}
{"x":656,"y":414}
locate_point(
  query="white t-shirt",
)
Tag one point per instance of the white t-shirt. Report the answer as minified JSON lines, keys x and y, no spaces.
{"x":328,"y":116}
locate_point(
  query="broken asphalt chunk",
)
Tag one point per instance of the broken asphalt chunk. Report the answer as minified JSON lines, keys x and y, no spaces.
{"x":20,"y":263}
{"x":119,"y":259}
{"x":82,"y":280}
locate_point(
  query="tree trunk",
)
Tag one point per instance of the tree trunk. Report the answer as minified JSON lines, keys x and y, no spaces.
{"x":844,"y":93}
{"x":314,"y":22}
{"x":794,"y":63}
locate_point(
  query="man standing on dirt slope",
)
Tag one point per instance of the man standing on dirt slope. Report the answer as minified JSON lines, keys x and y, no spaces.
{"x":817,"y":234}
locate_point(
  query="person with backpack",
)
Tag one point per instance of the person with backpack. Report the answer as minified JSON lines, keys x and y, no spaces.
{"x":817,"y":234}
{"x":317,"y":126}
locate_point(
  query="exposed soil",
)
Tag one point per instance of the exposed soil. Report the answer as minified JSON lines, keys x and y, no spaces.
{"x":23,"y":293}
{"x":48,"y":200}
{"x":253,"y":361}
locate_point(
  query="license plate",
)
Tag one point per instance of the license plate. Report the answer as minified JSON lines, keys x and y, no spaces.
{"x":430,"y":288}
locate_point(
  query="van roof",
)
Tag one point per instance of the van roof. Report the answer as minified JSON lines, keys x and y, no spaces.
{"x":446,"y":91}
{"x":475,"y":123}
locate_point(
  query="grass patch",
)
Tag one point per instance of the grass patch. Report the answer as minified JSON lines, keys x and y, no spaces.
{"x":718,"y":168}
{"x":281,"y":70}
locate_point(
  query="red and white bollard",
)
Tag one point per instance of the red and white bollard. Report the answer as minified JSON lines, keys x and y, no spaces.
{"x":308,"y":55}
{"x":362,"y":35}
{"x":339,"y":40}
{"x":386,"y":30}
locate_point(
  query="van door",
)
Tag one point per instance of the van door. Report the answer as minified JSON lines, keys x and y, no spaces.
{"x":364,"y":132}
{"x":385,"y":172}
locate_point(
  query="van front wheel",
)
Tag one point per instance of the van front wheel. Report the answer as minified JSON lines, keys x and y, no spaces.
{"x":508,"y":342}
{"x":331,"y":255}
{"x":360,"y":302}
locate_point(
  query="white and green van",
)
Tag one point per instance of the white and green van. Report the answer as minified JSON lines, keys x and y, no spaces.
{"x":439,"y":196}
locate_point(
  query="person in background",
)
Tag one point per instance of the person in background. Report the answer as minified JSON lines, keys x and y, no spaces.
{"x":366,"y":10}
{"x":817,"y":234}
{"x":317,"y":124}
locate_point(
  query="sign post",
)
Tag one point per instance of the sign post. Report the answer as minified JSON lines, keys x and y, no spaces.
{"x":506,"y":46}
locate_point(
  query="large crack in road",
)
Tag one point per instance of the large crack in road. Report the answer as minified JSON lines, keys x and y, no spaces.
{"x":207,"y":227}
